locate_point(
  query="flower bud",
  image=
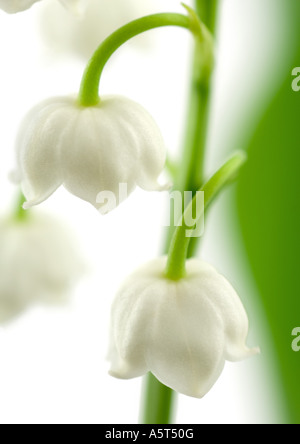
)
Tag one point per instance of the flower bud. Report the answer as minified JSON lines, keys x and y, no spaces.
{"x":181,"y":331}
{"x":89,"y":150}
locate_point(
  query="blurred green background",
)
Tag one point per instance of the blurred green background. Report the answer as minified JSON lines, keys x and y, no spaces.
{"x":267,"y":207}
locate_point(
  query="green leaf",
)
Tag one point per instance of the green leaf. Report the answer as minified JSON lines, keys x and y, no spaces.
{"x":269,"y":215}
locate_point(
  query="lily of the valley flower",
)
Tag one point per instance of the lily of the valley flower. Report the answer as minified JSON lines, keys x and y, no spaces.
{"x":13,"y":6}
{"x":181,"y":331}
{"x":81,"y":35}
{"x":89,"y":150}
{"x":39,"y":263}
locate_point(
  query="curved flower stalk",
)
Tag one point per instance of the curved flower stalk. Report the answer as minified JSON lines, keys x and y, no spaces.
{"x":13,"y":6}
{"x":181,"y":331}
{"x":39,"y":264}
{"x":80,"y":35}
{"x":92,"y":145}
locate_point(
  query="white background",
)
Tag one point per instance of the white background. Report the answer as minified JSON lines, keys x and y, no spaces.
{"x":52,"y":361}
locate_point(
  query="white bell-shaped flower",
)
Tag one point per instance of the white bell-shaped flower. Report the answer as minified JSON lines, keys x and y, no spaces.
{"x":181,"y":331}
{"x":13,"y":6}
{"x":81,"y":35}
{"x":92,"y":151}
{"x":39,"y":263}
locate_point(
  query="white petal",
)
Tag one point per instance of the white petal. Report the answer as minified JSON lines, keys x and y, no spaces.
{"x":185,"y":348}
{"x":38,"y":149}
{"x":152,"y":149}
{"x":103,"y":155}
{"x":221,"y":293}
{"x":129,"y":331}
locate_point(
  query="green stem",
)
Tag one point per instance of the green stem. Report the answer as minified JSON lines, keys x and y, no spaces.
{"x":207,"y":10}
{"x":89,"y":90}
{"x":180,"y":242}
{"x":191,"y":173}
{"x":20,"y":214}
{"x":158,"y":400}
{"x":172,"y":167}
{"x":200,"y":109}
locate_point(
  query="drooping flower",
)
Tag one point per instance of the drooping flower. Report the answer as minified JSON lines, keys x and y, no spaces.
{"x":13,"y":6}
{"x":181,"y":331}
{"x":81,"y":35}
{"x":89,"y":150}
{"x":39,"y":263}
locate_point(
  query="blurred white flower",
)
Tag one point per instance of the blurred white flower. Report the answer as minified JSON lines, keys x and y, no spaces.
{"x":39,"y":263}
{"x":13,"y":6}
{"x":180,"y":331}
{"x":90,"y":150}
{"x":82,"y":35}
